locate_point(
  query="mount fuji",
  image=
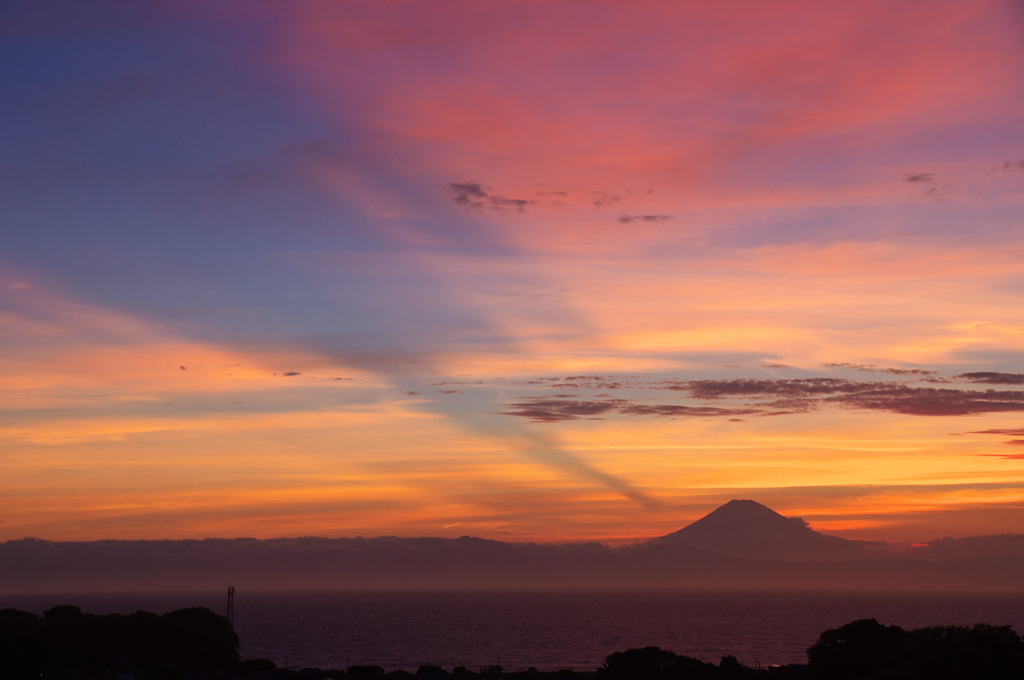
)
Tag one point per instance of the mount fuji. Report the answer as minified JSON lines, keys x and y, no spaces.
{"x":745,"y":528}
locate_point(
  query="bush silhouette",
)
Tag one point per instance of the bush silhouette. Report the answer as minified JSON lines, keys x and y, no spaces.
{"x":197,"y":638}
{"x":364,"y":672}
{"x":654,"y":663}
{"x":731,"y":669}
{"x":250,"y":666}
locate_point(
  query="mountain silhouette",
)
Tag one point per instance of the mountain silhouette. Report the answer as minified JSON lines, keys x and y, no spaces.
{"x":742,"y":544}
{"x":745,"y":528}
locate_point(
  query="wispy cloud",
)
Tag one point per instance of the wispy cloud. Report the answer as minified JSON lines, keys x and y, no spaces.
{"x":991,"y":378}
{"x":628,"y":219}
{"x":1005,"y":432}
{"x":871,"y":368}
{"x":473,"y":195}
{"x":542,"y":410}
{"x":928,"y":401}
{"x":759,"y":396}
{"x":599,"y":199}
{"x":1019,"y":432}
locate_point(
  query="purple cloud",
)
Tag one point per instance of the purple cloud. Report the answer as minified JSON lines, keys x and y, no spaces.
{"x":991,"y":378}
{"x":768,"y":397}
{"x":627,"y":219}
{"x":472,"y":195}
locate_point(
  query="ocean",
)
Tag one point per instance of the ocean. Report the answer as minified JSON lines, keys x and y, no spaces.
{"x":546,"y":630}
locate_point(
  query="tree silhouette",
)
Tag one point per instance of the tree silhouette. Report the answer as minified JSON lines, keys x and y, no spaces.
{"x":955,"y":652}
{"x":191,"y":640}
{"x":860,"y":649}
{"x":867,"y":650}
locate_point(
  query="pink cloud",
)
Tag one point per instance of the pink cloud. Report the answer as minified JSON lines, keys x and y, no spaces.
{"x":702,"y":98}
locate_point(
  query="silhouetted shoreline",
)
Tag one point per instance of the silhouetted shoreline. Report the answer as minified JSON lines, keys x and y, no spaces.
{"x":196,"y":644}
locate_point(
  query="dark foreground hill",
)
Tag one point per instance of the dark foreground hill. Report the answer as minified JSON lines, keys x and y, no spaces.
{"x":65,"y":642}
{"x":742,"y":545}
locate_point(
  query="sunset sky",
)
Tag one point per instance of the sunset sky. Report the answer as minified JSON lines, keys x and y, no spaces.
{"x":532,"y":270}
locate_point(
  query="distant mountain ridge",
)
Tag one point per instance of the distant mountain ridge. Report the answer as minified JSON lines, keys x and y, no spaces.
{"x":745,"y":528}
{"x":741,"y":545}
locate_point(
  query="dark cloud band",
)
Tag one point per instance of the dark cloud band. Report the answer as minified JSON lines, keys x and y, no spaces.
{"x":764,"y":397}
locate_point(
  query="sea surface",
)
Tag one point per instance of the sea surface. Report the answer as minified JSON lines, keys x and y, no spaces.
{"x":546,"y":630}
